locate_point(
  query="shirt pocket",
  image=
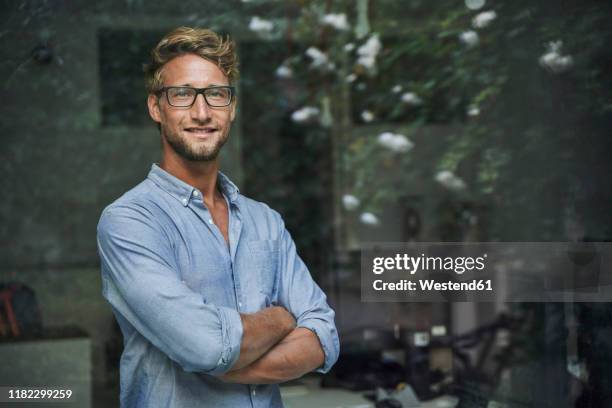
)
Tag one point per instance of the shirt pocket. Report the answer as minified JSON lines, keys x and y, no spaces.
{"x":265,"y":258}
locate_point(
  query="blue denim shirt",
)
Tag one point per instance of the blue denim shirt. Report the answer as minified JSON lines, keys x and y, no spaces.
{"x":176,"y":288}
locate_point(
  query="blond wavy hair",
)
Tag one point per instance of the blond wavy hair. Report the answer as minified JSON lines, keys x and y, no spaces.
{"x":187,"y":40}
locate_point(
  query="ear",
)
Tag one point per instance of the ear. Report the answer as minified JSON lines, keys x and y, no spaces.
{"x":153,"y":105}
{"x":233,"y":109}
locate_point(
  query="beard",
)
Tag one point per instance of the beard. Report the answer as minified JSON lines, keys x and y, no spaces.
{"x":195,"y":153}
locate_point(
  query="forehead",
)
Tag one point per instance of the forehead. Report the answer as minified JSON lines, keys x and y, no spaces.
{"x":193,"y":70}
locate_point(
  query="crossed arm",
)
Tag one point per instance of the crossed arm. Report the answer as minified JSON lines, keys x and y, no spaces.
{"x":139,"y":281}
{"x":294,"y":351}
{"x":266,"y":360}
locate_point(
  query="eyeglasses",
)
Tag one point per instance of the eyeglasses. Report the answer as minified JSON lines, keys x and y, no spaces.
{"x":185,"y":96}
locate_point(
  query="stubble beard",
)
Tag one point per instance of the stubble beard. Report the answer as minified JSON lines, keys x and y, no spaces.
{"x":188,"y":152}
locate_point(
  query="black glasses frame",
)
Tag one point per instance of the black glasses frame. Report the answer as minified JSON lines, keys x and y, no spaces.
{"x":198,"y":91}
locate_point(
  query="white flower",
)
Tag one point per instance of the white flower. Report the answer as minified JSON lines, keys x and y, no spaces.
{"x":367,"y":116}
{"x":351,"y":78}
{"x":283,"y":71}
{"x":367,"y":62}
{"x":397,"y":89}
{"x":305,"y":114}
{"x":410,"y":98}
{"x":449,"y":180}
{"x":473,"y":110}
{"x":350,"y":202}
{"x":259,"y":25}
{"x":395,"y":142}
{"x":557,"y":63}
{"x":474,"y":4}
{"x":368,"y":218}
{"x":368,"y":52}
{"x":555,"y":46}
{"x":319,"y":58}
{"x":338,"y":21}
{"x":348,"y":47}
{"x":482,"y":20}
{"x":469,"y":38}
{"x":385,"y":138}
{"x":401,"y":144}
{"x":554,"y":61}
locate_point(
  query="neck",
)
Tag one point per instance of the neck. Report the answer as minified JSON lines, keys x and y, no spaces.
{"x":201,"y":175}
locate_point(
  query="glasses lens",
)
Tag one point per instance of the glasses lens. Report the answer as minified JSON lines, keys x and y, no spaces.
{"x":181,"y":96}
{"x":220,"y":96}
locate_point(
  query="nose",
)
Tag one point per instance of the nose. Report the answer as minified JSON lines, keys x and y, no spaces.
{"x":200,"y":111}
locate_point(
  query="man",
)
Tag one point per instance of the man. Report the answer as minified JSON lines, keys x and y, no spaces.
{"x":214,"y":303}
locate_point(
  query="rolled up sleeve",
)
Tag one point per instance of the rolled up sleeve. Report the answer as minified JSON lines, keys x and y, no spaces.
{"x":142,"y":284}
{"x":327,"y":337}
{"x":231,"y":338}
{"x":300,"y":294}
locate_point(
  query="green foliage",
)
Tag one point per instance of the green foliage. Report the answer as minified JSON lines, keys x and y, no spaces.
{"x":497,"y":93}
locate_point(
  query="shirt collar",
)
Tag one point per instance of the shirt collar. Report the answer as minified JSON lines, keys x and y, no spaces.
{"x":185,"y":192}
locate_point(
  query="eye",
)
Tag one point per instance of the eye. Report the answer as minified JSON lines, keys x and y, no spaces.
{"x":220,"y":93}
{"x":182,"y":92}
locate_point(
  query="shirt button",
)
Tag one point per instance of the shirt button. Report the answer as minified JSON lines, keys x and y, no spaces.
{"x":195,"y":193}
{"x":240,"y":304}
{"x":184,"y":201}
{"x":210,"y":221}
{"x":254,"y":392}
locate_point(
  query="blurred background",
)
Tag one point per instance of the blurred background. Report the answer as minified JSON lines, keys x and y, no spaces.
{"x":359,"y":121}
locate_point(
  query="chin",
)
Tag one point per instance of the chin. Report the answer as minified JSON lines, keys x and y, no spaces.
{"x":204,"y":155}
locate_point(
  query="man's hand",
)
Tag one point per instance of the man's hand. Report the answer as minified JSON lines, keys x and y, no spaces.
{"x":297,"y":354}
{"x":261,"y":331}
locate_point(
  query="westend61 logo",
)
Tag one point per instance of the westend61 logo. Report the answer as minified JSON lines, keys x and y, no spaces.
{"x":412,"y":264}
{"x":486,"y":272}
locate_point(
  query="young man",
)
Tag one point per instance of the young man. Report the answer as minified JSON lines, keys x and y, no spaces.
{"x":214,"y":303}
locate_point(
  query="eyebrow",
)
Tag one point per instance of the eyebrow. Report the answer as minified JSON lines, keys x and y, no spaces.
{"x":210,"y":85}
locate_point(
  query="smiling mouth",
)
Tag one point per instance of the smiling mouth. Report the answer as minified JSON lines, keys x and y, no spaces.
{"x":201,"y":131}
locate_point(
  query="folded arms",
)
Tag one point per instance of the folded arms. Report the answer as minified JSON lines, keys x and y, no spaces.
{"x":276,"y":344}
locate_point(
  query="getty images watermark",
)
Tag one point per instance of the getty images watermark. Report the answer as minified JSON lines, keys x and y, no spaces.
{"x":487,"y":272}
